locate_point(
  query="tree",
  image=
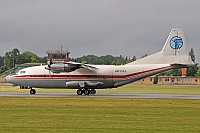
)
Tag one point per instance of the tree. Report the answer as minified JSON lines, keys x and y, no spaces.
{"x":106,"y":60}
{"x":131,"y":60}
{"x":8,"y":61}
{"x":84,"y":62}
{"x":174,"y":72}
{"x":155,"y":81}
{"x":191,"y":53}
{"x":1,"y":61}
{"x":198,"y":72}
{"x":11,"y":58}
{"x":134,"y":58}
{"x":145,"y":55}
{"x":15,"y":55}
{"x":44,"y":59}
{"x":192,"y":70}
{"x":27,"y":57}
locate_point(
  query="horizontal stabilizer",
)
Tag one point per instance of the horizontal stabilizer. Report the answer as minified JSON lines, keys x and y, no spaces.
{"x":179,"y":65}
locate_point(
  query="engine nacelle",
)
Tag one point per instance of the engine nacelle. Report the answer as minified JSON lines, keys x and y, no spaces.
{"x":57,"y":68}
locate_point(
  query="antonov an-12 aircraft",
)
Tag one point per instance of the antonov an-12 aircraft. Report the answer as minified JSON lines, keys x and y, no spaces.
{"x":86,"y":78}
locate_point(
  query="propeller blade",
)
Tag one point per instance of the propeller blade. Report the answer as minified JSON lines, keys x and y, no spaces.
{"x":50,"y":63}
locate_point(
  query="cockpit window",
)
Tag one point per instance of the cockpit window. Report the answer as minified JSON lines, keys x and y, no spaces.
{"x":13,"y":74}
{"x":22,"y":72}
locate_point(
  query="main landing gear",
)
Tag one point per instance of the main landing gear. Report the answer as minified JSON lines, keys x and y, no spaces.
{"x":86,"y":91}
{"x":32,"y":91}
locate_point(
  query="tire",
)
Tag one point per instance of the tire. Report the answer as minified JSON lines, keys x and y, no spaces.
{"x":92,"y":91}
{"x":32,"y":91}
{"x":86,"y":91}
{"x":79,"y":92}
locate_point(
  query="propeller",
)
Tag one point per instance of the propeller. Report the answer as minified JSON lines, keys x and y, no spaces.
{"x":49,"y":65}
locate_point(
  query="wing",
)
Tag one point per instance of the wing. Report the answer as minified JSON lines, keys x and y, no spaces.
{"x":69,"y":67}
{"x":75,"y":65}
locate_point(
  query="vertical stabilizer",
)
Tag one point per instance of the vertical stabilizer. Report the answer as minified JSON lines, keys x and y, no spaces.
{"x":175,"y":44}
{"x":173,"y":52}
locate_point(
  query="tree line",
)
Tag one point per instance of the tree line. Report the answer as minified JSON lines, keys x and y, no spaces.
{"x":104,"y":60}
{"x":13,"y":57}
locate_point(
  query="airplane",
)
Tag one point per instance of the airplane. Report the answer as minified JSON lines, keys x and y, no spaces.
{"x":86,"y":78}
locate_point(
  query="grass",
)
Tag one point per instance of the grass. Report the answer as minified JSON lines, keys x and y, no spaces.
{"x":112,"y":115}
{"x":131,"y":88}
{"x":162,"y":89}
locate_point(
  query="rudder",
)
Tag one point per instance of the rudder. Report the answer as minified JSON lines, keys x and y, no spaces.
{"x":175,"y":44}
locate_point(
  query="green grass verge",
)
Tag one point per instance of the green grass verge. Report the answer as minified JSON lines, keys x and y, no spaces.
{"x":110,"y":115}
{"x":162,"y":89}
{"x":131,"y":88}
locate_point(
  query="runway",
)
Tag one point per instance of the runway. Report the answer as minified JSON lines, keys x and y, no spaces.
{"x":101,"y":95}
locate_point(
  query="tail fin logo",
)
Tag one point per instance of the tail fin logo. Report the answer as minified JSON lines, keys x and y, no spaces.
{"x":176,"y":42}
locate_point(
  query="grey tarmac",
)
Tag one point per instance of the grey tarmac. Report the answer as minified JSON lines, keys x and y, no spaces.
{"x":101,"y":95}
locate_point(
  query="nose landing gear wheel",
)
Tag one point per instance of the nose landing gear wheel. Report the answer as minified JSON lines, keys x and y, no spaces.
{"x":32,"y":91}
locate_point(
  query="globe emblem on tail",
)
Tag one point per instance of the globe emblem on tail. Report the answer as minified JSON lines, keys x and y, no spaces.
{"x":176,"y":42}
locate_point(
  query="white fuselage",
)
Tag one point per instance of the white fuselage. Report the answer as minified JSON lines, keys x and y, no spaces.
{"x":105,"y":76}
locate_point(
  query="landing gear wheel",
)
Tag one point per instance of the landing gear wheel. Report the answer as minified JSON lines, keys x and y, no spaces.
{"x":86,"y":91}
{"x":32,"y":91}
{"x":79,"y":92}
{"x":92,"y":91}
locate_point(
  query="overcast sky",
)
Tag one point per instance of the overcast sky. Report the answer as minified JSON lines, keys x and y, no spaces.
{"x":100,"y":27}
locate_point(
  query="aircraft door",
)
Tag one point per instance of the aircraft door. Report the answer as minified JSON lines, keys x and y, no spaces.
{"x":68,"y":77}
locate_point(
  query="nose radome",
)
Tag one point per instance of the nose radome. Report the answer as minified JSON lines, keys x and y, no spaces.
{"x":7,"y":77}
